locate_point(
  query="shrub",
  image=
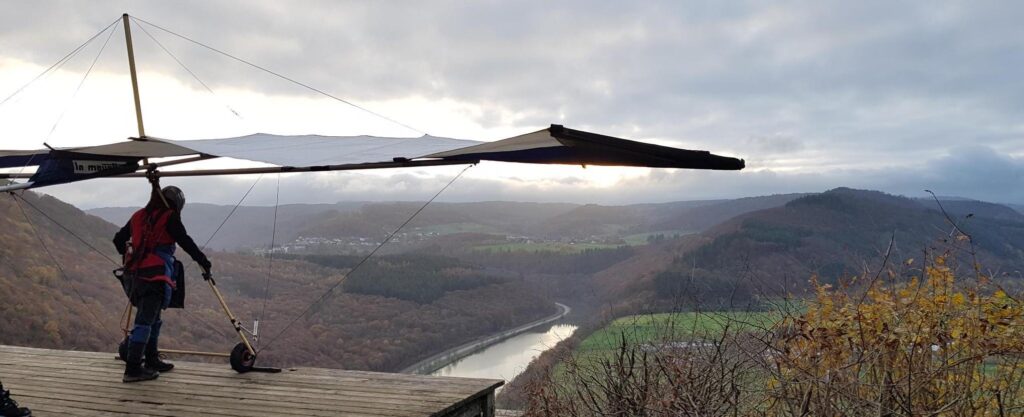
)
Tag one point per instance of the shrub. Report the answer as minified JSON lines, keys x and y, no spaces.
{"x":928,"y":345}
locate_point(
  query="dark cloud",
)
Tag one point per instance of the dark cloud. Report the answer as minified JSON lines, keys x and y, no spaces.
{"x":870,"y":93}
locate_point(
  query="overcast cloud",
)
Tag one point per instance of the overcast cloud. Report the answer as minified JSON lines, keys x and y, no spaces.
{"x":897,"y":96}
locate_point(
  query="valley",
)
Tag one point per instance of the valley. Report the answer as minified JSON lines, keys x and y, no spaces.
{"x":463,"y":271}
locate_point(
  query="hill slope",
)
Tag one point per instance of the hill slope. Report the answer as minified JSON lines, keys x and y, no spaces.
{"x":250,"y":227}
{"x":374,"y":325}
{"x":833,"y":234}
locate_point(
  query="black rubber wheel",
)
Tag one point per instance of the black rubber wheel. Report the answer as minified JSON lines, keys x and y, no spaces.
{"x":242,"y":360}
{"x":122,"y":350}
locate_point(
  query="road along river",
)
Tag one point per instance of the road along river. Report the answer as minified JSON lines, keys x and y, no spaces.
{"x":503,"y":355}
{"x":507,"y":359}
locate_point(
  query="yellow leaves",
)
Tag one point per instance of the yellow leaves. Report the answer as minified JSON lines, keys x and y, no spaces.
{"x":958,"y":299}
{"x":942,"y":336}
{"x":956,"y":333}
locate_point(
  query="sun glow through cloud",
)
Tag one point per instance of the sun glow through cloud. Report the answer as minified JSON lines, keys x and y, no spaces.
{"x":813,"y":96}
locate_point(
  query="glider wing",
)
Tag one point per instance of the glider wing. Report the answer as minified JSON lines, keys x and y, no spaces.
{"x":554,"y":145}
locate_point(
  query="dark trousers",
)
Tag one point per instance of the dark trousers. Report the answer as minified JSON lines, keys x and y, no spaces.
{"x":150,"y":298}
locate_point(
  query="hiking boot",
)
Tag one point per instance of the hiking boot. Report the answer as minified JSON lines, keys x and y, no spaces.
{"x":9,"y":407}
{"x":153,"y":362}
{"x":137,"y":372}
{"x":133,"y":369}
{"x":152,"y":352}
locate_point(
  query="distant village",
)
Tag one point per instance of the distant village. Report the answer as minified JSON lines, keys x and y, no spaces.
{"x":354,"y":244}
{"x":347,"y":244}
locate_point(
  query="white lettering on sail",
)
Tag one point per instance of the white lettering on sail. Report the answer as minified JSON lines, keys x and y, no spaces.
{"x":89,"y":167}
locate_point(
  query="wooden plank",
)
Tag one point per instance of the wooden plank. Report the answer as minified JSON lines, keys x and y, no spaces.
{"x":419,"y":379}
{"x":54,"y":382}
{"x":79,"y":402}
{"x":157,"y":393}
{"x":240,"y":393}
{"x":317,"y":387}
{"x":473,"y":409}
{"x":196,"y":404}
{"x":47,"y":407}
{"x":306,"y":373}
{"x":293,"y":385}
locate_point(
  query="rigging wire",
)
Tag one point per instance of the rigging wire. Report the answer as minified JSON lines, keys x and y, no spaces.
{"x":115,"y":263}
{"x":101,"y":253}
{"x":363,"y":261}
{"x":50,"y":70}
{"x":59,"y":267}
{"x":270,"y":263}
{"x":74,"y":53}
{"x":193,"y":74}
{"x":233,"y":209}
{"x":72,"y":233}
{"x":283,"y":77}
{"x":214,"y":234}
{"x":80,"y":84}
{"x":59,"y":62}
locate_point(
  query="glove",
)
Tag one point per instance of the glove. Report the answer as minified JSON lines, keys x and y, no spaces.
{"x":205,"y":264}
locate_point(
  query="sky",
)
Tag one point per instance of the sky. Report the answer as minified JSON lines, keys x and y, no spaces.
{"x":894,"y":96}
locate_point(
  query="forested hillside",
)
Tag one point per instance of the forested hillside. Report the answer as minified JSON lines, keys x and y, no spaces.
{"x":750,"y":260}
{"x":250,"y":227}
{"x":375,"y":322}
{"x":835,"y":234}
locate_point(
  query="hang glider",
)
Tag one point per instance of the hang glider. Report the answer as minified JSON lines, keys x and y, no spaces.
{"x":554,"y":145}
{"x":132,"y":158}
{"x":147,"y":156}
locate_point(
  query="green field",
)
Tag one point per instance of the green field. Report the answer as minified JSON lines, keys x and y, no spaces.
{"x":451,"y":228}
{"x":641,"y":238}
{"x":557,"y":247}
{"x":654,"y":328}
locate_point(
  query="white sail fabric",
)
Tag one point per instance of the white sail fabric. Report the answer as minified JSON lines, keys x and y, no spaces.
{"x":310,"y":150}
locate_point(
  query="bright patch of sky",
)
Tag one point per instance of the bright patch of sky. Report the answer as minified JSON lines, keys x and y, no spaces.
{"x":814,"y":95}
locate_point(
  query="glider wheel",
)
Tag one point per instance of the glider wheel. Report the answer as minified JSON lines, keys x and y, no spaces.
{"x":242,"y":360}
{"x":122,"y":350}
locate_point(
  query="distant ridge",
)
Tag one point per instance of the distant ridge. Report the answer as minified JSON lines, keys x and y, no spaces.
{"x":250,"y":226}
{"x":831,"y":235}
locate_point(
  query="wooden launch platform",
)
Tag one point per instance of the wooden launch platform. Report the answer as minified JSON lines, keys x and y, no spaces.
{"x":72,"y":383}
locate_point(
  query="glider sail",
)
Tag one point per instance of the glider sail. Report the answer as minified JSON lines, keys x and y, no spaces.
{"x":133,"y":158}
{"x":554,"y":145}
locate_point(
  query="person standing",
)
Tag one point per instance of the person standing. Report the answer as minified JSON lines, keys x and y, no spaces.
{"x":147,"y":243}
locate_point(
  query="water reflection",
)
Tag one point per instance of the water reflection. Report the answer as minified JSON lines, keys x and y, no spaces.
{"x":507,"y":359}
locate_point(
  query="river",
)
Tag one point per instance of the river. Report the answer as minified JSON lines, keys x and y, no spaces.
{"x":508,"y":358}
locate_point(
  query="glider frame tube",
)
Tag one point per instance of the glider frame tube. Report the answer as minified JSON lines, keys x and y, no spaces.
{"x":244,"y":171}
{"x":15,"y":187}
{"x":285,"y":170}
{"x":245,"y":345}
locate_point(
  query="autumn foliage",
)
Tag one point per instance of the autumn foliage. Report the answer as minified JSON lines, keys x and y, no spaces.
{"x":914,"y":342}
{"x":57,"y":291}
{"x":926,"y":347}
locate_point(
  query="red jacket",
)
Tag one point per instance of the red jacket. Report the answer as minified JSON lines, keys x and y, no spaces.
{"x":149,"y":236}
